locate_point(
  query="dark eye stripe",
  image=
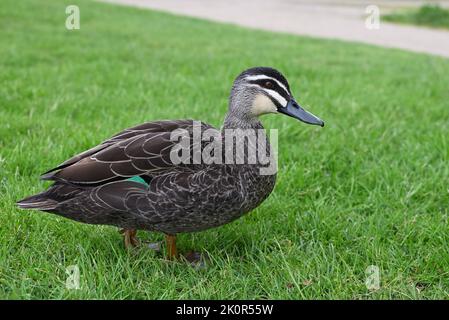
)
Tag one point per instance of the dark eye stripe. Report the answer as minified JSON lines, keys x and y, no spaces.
{"x":275,"y":87}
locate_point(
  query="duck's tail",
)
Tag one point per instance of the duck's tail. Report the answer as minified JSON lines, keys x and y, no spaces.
{"x":38,"y":202}
{"x":51,"y":198}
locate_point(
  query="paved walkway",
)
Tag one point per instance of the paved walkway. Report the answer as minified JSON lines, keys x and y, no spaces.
{"x":344,"y":19}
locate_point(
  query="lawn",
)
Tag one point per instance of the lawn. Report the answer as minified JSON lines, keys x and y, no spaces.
{"x":370,"y":188}
{"x":426,"y":15}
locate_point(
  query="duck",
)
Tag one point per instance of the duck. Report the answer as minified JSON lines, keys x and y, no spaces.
{"x":147,"y":177}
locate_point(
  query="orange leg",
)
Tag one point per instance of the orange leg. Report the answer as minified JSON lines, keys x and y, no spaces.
{"x":129,"y":236}
{"x":171,"y":246}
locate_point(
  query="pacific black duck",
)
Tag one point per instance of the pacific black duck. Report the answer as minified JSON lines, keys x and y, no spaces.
{"x":131,"y":181}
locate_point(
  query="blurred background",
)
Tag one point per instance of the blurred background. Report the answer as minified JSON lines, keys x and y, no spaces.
{"x":350,"y":20}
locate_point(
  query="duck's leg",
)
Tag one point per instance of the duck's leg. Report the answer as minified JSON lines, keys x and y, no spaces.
{"x":130,"y":239}
{"x":171,"y":246}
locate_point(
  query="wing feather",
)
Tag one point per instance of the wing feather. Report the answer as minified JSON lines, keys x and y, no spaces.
{"x":143,"y":149}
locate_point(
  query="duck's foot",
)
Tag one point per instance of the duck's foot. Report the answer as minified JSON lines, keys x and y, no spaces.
{"x":129,"y":237}
{"x":196,"y":259}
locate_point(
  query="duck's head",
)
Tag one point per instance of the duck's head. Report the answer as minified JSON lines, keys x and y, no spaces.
{"x":263,"y":90}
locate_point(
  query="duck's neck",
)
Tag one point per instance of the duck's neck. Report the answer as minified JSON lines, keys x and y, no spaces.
{"x":237,"y":121}
{"x":239,"y":115}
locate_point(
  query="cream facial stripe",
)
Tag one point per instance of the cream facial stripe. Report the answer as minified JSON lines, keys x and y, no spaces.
{"x":264,"y":77}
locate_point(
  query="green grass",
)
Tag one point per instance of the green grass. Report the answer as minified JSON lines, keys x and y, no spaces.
{"x":370,"y":188}
{"x":426,"y":15}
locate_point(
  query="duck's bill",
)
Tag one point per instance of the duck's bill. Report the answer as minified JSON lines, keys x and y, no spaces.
{"x":293,"y":109}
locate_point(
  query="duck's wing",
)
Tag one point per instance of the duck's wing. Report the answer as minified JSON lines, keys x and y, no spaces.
{"x":140,"y":150}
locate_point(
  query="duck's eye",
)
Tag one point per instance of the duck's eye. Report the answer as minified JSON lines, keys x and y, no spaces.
{"x":268,"y":85}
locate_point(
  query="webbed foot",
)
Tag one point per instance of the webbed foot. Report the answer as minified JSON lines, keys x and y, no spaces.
{"x":196,"y":259}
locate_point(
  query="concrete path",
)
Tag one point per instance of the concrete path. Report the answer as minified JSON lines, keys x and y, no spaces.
{"x":344,"y":19}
